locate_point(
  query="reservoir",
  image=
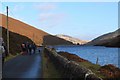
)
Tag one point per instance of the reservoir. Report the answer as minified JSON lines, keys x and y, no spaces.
{"x":105,"y":55}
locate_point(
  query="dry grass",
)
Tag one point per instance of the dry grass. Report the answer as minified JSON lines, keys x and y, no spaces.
{"x":11,"y":56}
{"x":49,"y":70}
{"x":93,"y":67}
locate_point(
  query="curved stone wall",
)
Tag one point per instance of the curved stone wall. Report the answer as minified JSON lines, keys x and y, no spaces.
{"x":69,"y":69}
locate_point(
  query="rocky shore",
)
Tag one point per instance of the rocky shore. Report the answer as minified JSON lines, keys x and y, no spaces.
{"x":72,"y":57}
{"x":108,"y":71}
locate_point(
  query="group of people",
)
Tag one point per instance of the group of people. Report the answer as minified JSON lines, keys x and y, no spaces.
{"x":28,"y":48}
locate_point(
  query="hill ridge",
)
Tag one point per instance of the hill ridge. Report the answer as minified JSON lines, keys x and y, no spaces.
{"x":110,"y":39}
{"x":36,"y":35}
{"x":71,"y":39}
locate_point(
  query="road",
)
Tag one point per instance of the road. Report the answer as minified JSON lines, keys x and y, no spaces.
{"x":0,"y":65}
{"x":23,"y":66}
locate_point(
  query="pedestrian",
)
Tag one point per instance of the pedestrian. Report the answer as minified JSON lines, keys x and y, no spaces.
{"x":39,"y":50}
{"x":3,"y":50}
{"x":34,"y":48}
{"x":24,"y":50}
{"x":3,"y":53}
{"x":6,"y":50}
{"x":27,"y":47}
{"x":30,"y":49}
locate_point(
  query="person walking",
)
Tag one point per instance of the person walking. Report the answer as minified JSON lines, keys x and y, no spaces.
{"x":3,"y":50}
{"x":24,"y":50}
{"x":34,"y":48}
{"x":3,"y":53}
{"x":27,"y":47}
{"x":30,"y":48}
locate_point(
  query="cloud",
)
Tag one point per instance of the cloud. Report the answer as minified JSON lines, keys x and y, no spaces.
{"x":51,"y":16}
{"x":18,"y":8}
{"x":50,"y":20}
{"x":46,"y":6}
{"x":48,"y":26}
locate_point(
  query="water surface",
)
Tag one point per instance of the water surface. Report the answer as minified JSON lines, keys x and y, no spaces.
{"x":106,"y":55}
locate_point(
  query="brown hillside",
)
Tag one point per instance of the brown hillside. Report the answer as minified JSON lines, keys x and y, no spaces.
{"x":15,"y":41}
{"x":23,"y":29}
{"x":53,"y":40}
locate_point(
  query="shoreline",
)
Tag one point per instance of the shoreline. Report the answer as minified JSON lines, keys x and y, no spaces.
{"x":85,"y":45}
{"x":107,"y":71}
{"x":66,"y":48}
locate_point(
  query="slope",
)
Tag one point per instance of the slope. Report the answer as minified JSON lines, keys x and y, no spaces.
{"x":72,"y":39}
{"x":36,"y":35}
{"x":110,"y":39}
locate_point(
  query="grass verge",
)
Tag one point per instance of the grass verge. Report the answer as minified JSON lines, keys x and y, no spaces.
{"x":93,"y":67}
{"x":48,"y":68}
{"x":11,"y":56}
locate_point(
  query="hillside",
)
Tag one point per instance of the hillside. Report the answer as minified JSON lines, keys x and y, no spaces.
{"x":110,"y":39}
{"x":31,"y":32}
{"x":15,"y":41}
{"x":72,"y":39}
{"x":53,"y":40}
{"x":23,"y":29}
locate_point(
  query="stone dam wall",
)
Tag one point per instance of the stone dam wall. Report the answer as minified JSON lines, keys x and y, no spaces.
{"x":69,"y":69}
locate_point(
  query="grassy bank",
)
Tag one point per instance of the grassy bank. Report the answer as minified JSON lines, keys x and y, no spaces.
{"x":93,"y":67}
{"x":11,"y":56}
{"x":48,"y":68}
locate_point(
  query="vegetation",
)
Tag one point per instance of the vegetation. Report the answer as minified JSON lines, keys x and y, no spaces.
{"x":105,"y":72}
{"x":11,"y":56}
{"x":73,"y":57}
{"x":15,"y":41}
{"x":49,"y":70}
{"x":93,"y":67}
{"x":48,"y":40}
{"x":110,"y":71}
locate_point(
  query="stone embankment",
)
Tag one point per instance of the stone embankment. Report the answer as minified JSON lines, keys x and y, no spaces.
{"x":69,"y":69}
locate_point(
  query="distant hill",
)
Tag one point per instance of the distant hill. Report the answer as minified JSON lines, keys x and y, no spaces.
{"x":53,"y":40}
{"x":36,"y":35}
{"x":71,"y":39}
{"x":110,"y":39}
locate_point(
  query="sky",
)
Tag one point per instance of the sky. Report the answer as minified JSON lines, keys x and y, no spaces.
{"x":83,"y":20}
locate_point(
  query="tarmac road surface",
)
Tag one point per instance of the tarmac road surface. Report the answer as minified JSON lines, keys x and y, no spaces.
{"x":23,"y":66}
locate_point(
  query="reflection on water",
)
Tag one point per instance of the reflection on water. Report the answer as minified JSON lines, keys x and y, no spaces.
{"x":105,"y":55}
